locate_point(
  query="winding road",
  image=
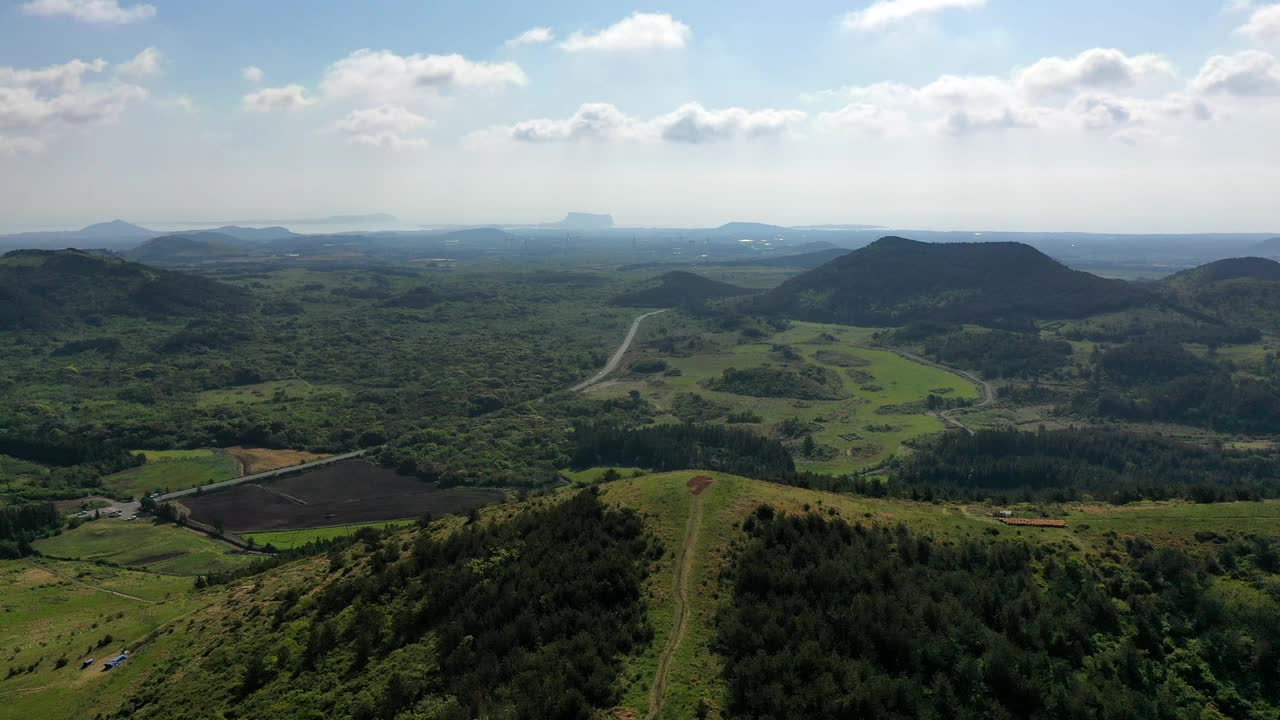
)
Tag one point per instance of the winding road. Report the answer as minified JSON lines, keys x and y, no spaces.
{"x":948,"y":416}
{"x":684,"y":567}
{"x":617,"y":356}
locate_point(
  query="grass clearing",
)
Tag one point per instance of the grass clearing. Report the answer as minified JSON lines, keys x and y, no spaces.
{"x":273,"y":391}
{"x":879,"y":415}
{"x":144,"y":545}
{"x":168,"y":470}
{"x":591,"y":476}
{"x":288,"y":539}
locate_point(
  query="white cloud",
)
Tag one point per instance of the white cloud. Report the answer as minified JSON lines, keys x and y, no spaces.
{"x":969,"y":122}
{"x":690,"y":123}
{"x":383,"y":127}
{"x":387,"y":76}
{"x":592,"y":121}
{"x":289,"y":98}
{"x":10,"y":147}
{"x":252,"y":74}
{"x":532,"y":36}
{"x":640,"y":31}
{"x":64,"y":77}
{"x":1098,"y":68}
{"x":694,"y":124}
{"x":891,"y":12}
{"x":101,"y":12}
{"x":865,"y":118}
{"x":185,"y":103}
{"x":147,"y":64}
{"x":1250,"y":73}
{"x":1263,"y":23}
{"x":41,"y":101}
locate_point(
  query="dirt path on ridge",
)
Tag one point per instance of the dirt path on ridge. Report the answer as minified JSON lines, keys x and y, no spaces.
{"x":684,"y":566}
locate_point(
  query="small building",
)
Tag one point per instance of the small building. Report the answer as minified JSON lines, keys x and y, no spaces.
{"x":1003,"y":513}
{"x":115,"y":661}
{"x":86,"y":663}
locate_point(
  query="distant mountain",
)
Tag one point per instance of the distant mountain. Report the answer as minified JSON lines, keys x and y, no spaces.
{"x":586,"y":221}
{"x":1268,"y":248}
{"x":751,"y":228}
{"x":1239,"y":291}
{"x":42,"y":289}
{"x":115,"y":233}
{"x":186,"y":249}
{"x":678,"y":288}
{"x":262,"y":234}
{"x":894,"y":280}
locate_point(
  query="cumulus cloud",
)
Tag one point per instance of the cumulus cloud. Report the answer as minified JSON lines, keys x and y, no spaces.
{"x":100,"y":12}
{"x":891,"y":12}
{"x":387,"y":76}
{"x":288,"y":98}
{"x":1098,"y":68}
{"x":694,"y":124}
{"x":383,"y":127}
{"x":640,"y":31}
{"x":532,"y":36}
{"x":147,"y":64}
{"x":1251,"y":73}
{"x":38,"y":102}
{"x":865,"y":118}
{"x":1263,"y":23}
{"x":252,"y":74}
{"x":690,"y":123}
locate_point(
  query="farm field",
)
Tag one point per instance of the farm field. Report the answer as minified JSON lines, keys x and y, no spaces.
{"x":883,"y":407}
{"x":288,"y":539}
{"x":144,"y":545}
{"x":168,"y":470}
{"x":256,"y":460}
{"x":341,"y":494}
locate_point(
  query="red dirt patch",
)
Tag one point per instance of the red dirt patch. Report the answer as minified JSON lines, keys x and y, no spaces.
{"x":698,"y":484}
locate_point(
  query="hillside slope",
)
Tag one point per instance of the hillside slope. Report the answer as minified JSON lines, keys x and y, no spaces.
{"x":894,"y":280}
{"x":43,"y":289}
{"x":1240,"y":291}
{"x":186,"y":249}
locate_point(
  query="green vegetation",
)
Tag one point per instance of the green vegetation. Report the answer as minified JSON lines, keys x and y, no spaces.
{"x":290,"y":539}
{"x":830,"y":619}
{"x":142,"y":544}
{"x":1000,"y":354}
{"x":169,"y":470}
{"x":805,"y":382}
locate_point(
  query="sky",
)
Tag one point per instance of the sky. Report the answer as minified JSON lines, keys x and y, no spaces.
{"x":1051,"y":115}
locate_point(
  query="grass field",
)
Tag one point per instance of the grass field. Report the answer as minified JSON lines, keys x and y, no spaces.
{"x":591,"y":476}
{"x":287,"y":539}
{"x":863,"y":430}
{"x":173,"y":470}
{"x":141,"y":544}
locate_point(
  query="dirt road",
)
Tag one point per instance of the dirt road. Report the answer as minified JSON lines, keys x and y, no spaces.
{"x":948,"y":416}
{"x":617,"y":356}
{"x":67,"y":577}
{"x":684,"y":567}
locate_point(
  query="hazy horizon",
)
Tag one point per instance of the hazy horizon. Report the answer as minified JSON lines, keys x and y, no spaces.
{"x":1141,"y":117}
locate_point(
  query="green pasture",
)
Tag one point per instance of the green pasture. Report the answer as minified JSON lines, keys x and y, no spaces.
{"x":288,"y":539}
{"x":144,"y":545}
{"x":168,"y":470}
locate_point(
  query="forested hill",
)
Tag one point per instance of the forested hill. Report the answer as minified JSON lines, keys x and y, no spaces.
{"x":41,"y":289}
{"x":183,"y":249}
{"x":1236,"y":290}
{"x":895,"y":280}
{"x":679,"y":288}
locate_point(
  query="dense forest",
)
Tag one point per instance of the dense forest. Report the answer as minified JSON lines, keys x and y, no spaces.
{"x":834,"y":620}
{"x":1000,"y":354}
{"x":1071,"y":464}
{"x":683,"y":446}
{"x":526,"y":619}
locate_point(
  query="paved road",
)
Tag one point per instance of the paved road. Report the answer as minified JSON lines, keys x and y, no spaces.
{"x":263,"y":475}
{"x":948,"y":416}
{"x":617,"y":356}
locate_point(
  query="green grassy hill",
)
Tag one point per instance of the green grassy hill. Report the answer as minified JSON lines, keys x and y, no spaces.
{"x":1239,"y":291}
{"x":242,"y":648}
{"x":894,"y":281}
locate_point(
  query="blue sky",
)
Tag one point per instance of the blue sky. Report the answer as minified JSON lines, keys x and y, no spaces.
{"x":976,"y":114}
